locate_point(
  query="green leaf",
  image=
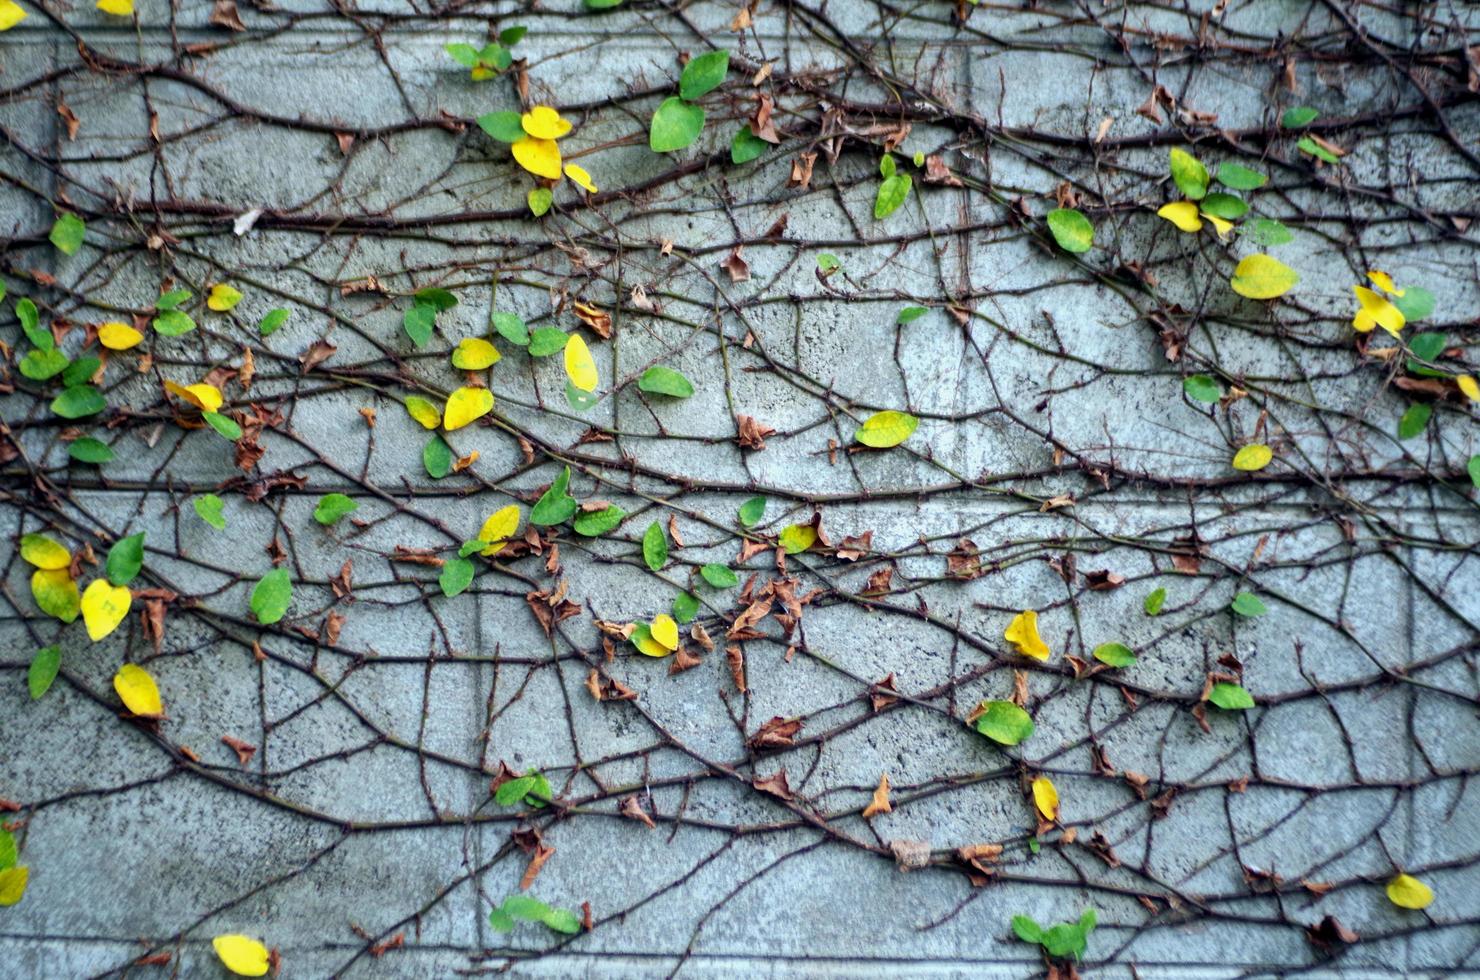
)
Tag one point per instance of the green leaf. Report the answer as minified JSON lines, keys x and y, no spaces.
{"x":887,"y":166}
{"x":419,"y":321}
{"x":1201,"y":388}
{"x":578,"y":398}
{"x":80,"y":371}
{"x":1188,"y":173}
{"x":1225,"y":206}
{"x":1065,"y":940}
{"x":1415,"y":303}
{"x":511,"y":36}
{"x":1248,"y":604}
{"x":526,"y":908}
{"x":274,"y":319}
{"x":172,"y":299}
{"x":172,"y":323}
{"x":911,"y":313}
{"x":539,"y":200}
{"x":1311,"y":147}
{"x":1238,"y":178}
{"x":1154,"y":602}
{"x":719,"y":576}
{"x":892,"y":193}
{"x":493,"y":55}
{"x":1115,"y":654}
{"x":1301,"y":115}
{"x":464,"y":54}
{"x":224,"y":426}
{"x":546,"y":341}
{"x":271,"y":597}
{"x":90,"y":450}
{"x":500,"y":920}
{"x":513,"y":792}
{"x":209,"y":508}
{"x":125,"y":559}
{"x":886,"y":429}
{"x":1267,"y":232}
{"x":8,"y":852}
{"x":436,"y":297}
{"x":332,"y":507}
{"x":437,"y":458}
{"x":42,"y":672}
{"x":457,"y":575}
{"x":40,"y":365}
{"x":685,"y":607}
{"x":1071,"y":230}
{"x":603,"y":4}
{"x":563,"y":921}
{"x":752,"y":511}
{"x":746,"y":146}
{"x":1004,"y":722}
{"x":593,"y":524}
{"x":1033,"y":845}
{"x":828,"y":262}
{"x":1027,"y":930}
{"x":67,"y":233}
{"x":1230,"y":697}
{"x":675,"y":125}
{"x":510,"y":326}
{"x":1473,"y":468}
{"x":78,"y":402}
{"x":555,"y":506}
{"x":1427,"y":347}
{"x":30,"y":318}
{"x":1414,"y":420}
{"x":703,"y":74}
{"x":655,"y":547}
{"x":659,"y":380}
{"x":472,"y":547}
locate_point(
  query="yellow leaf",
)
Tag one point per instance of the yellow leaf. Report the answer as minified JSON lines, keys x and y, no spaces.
{"x":884,"y":430}
{"x":465,"y":405}
{"x":1384,"y":282}
{"x":578,"y":174}
{"x":1253,"y":457}
{"x":1046,"y":798}
{"x":1022,"y":633}
{"x":646,"y":645}
{"x":1469,"y":387}
{"x":499,"y":528}
{"x":11,"y":14}
{"x":1183,"y":214}
{"x":1260,"y":276}
{"x":1377,"y":310}
{"x":578,"y":364}
{"x":539,"y":157}
{"x":1407,"y":892}
{"x":545,"y":123}
{"x":481,"y":74}
{"x":423,"y":411}
{"x":56,"y":594}
{"x":43,"y":552}
{"x":797,"y":538}
{"x":223,"y":297}
{"x":103,"y":607}
{"x":475,"y":354}
{"x":13,"y":880}
{"x":119,"y":336}
{"x":118,"y":8}
{"x":1221,"y":226}
{"x":244,"y":956}
{"x":202,"y":396}
{"x":138,"y":692}
{"x":665,"y":631}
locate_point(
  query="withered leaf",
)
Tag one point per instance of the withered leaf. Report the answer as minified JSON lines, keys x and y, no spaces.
{"x":244,"y":751}
{"x":778,"y":733}
{"x":774,"y":784}
{"x":880,"y":802}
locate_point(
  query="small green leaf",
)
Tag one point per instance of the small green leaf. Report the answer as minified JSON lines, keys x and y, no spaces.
{"x":419,"y":321}
{"x":468,"y":548}
{"x":1154,"y":602}
{"x":685,"y":607}
{"x":1238,"y":178}
{"x":67,"y":233}
{"x":500,"y":920}
{"x":457,"y":575}
{"x":555,"y":506}
{"x":1188,"y":173}
{"x":43,"y":670}
{"x":78,"y":402}
{"x":271,"y":597}
{"x":90,"y":450}
{"x":752,"y":511}
{"x":464,"y":54}
{"x":539,"y":200}
{"x":1004,"y":722}
{"x":274,"y":319}
{"x":510,"y":326}
{"x":210,"y":508}
{"x":1248,"y":604}
{"x":30,"y":318}
{"x":563,"y":921}
{"x":1416,"y":303}
{"x":603,"y":4}
{"x":511,"y":36}
{"x":828,"y":262}
{"x":437,"y":298}
{"x":41,"y":365}
{"x":502,"y":126}
{"x":887,"y":166}
{"x":593,"y":524}
{"x":746,"y":146}
{"x":172,"y":323}
{"x":1268,"y":232}
{"x":125,"y":559}
{"x":1301,"y":115}
{"x":80,"y":371}
{"x":546,"y":341}
{"x":512,"y":793}
{"x":578,"y":398}
{"x":1027,"y":930}
{"x":1473,"y":468}
{"x":1071,"y":230}
{"x":911,"y":313}
{"x":893,"y":192}
{"x":1225,"y":206}
{"x":172,"y":299}
{"x":719,"y":576}
{"x":655,"y":547}
{"x":659,"y":380}
{"x":224,"y":426}
{"x":1427,"y":347}
{"x":703,"y":74}
{"x":1033,"y":845}
{"x":1414,"y":420}
{"x":1115,"y":654}
{"x":437,"y":458}
{"x":332,"y":507}
{"x":675,"y":125}
{"x":886,"y":429}
{"x":1312,"y":148}
{"x":1230,"y":697}
{"x":1201,"y":388}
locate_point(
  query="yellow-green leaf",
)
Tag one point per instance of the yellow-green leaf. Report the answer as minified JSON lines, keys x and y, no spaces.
{"x":1260,"y":276}
{"x":579,"y":366}
{"x":797,"y":538}
{"x":56,"y":594}
{"x":43,"y":552}
{"x":475,"y":354}
{"x":886,"y":429}
{"x":423,"y":411}
{"x":138,"y":692}
{"x":499,"y":528}
{"x":223,"y":297}
{"x":466,"y":405}
{"x":242,"y":955}
{"x":13,"y":880}
{"x":1253,"y":457}
{"x":1407,"y":892}
{"x":103,"y":607}
{"x":642,"y":638}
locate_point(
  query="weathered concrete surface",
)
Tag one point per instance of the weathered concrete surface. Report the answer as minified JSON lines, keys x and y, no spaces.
{"x":365,"y":813}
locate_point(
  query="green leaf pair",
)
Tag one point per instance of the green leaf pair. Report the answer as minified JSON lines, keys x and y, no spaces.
{"x":678,"y":121}
{"x":1066,"y":940}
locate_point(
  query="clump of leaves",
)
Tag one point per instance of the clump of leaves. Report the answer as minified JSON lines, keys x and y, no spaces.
{"x":531,"y":789}
{"x":491,"y":59}
{"x":678,"y":121}
{"x":1066,"y":940}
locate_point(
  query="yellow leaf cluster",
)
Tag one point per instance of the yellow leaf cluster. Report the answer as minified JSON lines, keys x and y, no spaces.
{"x":1375,"y":309}
{"x":539,"y":153}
